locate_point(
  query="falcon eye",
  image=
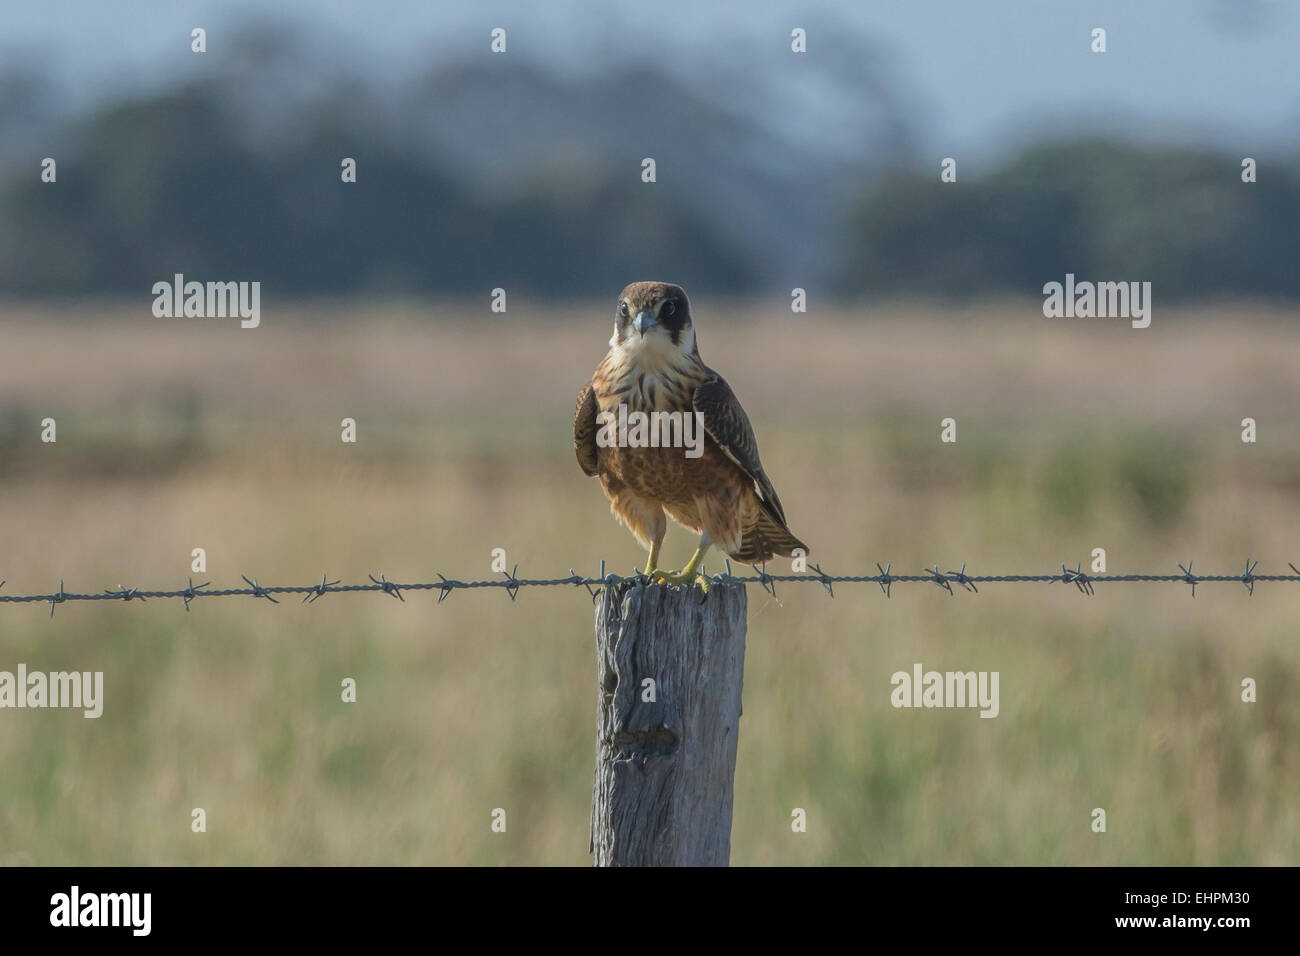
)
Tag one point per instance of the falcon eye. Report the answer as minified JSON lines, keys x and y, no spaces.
{"x":622,"y":309}
{"x":667,"y":310}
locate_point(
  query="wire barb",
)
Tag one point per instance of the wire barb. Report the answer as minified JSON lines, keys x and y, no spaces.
{"x":826,"y":579}
{"x":387,"y":586}
{"x":961,"y":578}
{"x":580,"y":581}
{"x":938,"y":578}
{"x":886,"y":580}
{"x":57,"y":598}
{"x":258,"y":590}
{"x":1189,"y":577}
{"x":724,"y":577}
{"x":1077,"y":578}
{"x":191,"y":591}
{"x":1248,"y":578}
{"x":512,"y":582}
{"x":318,"y":590}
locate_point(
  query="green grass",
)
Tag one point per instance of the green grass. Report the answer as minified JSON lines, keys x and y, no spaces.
{"x":1128,"y":700}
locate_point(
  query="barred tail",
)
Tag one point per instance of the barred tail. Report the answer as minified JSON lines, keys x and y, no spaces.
{"x":766,"y":537}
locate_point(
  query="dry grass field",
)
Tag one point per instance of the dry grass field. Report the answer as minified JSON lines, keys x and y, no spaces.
{"x":177,"y":434}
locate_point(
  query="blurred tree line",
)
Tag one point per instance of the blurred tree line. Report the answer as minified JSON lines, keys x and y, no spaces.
{"x":1181,"y":219}
{"x":147,"y":189}
{"x":478,"y":177}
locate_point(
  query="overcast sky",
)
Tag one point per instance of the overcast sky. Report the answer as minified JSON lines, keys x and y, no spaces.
{"x":981,"y":76}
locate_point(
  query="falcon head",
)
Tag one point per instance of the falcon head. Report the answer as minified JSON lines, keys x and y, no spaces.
{"x":653,"y":323}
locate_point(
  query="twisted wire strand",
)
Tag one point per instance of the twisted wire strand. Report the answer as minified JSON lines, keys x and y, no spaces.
{"x":512,"y":584}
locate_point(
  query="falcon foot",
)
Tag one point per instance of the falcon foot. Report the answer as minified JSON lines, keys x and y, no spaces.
{"x":681,"y":577}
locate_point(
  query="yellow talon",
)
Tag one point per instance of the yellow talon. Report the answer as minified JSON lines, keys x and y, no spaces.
{"x":687,"y":575}
{"x":681,"y":577}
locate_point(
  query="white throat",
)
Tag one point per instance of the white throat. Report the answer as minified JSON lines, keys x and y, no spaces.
{"x":655,"y":350}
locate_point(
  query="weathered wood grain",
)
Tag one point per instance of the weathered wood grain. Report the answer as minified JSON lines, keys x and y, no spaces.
{"x":664,"y":768}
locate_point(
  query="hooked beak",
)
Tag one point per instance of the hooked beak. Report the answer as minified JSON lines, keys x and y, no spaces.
{"x":644,"y":321}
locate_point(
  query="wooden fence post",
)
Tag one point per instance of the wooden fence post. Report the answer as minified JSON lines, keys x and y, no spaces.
{"x":666,"y":751}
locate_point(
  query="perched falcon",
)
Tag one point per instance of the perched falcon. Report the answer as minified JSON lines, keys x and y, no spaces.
{"x":717,"y":488}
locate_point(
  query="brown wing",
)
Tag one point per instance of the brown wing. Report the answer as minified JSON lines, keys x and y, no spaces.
{"x":584,"y":429}
{"x":728,"y":425}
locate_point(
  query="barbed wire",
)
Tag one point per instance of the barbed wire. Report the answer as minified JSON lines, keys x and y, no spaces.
{"x":512,"y":583}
